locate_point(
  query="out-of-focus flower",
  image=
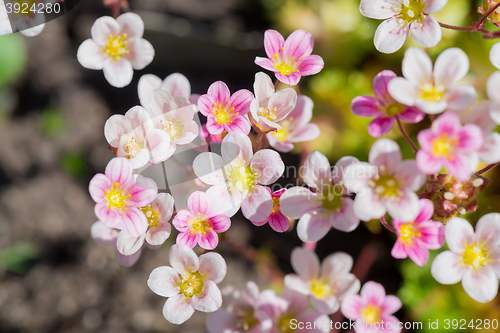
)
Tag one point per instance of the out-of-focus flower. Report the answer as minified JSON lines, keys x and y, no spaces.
{"x":402,"y":17}
{"x":27,"y":21}
{"x":290,"y":309}
{"x":383,"y":107}
{"x":118,"y":197}
{"x":246,"y":173}
{"x":328,"y":206}
{"x":479,"y":115}
{"x":190,"y":284}
{"x":269,"y":107}
{"x":158,"y":213}
{"x":5,"y":27}
{"x":295,"y":127}
{"x":277,"y":220}
{"x":117,"y":47}
{"x":133,"y":136}
{"x":434,"y":91}
{"x":174,"y":115}
{"x":290,"y":59}
{"x":474,"y":258}
{"x":372,"y":308}
{"x":416,"y":238}
{"x":493,"y":84}
{"x":486,"y":7}
{"x":200,"y":223}
{"x":449,"y":143}
{"x":225,"y":112}
{"x":104,"y":235}
{"x":175,"y":84}
{"x":386,"y":184}
{"x":242,"y":315}
{"x":326,"y":285}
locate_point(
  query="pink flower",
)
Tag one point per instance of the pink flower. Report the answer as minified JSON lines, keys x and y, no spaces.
{"x":290,"y":59}
{"x":372,"y":309}
{"x":106,"y":236}
{"x":242,"y":315}
{"x":200,"y":224}
{"x":190,"y":284}
{"x":434,"y":91}
{"x":225,"y":112}
{"x":386,"y":184}
{"x":416,"y":238}
{"x":269,"y":106}
{"x":118,"y":197}
{"x":238,"y":176}
{"x":277,"y":220}
{"x":134,"y":137}
{"x":290,"y":309}
{"x":449,"y":143}
{"x":328,"y":206}
{"x":401,"y":17}
{"x":158,"y":213}
{"x":474,"y":258}
{"x":295,"y":127}
{"x":326,"y":285}
{"x":175,"y":84}
{"x":117,"y":47}
{"x":383,"y":107}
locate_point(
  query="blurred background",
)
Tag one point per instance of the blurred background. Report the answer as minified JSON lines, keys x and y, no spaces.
{"x":55,"y":278}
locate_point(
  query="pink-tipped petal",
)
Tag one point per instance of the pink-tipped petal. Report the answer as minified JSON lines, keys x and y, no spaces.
{"x":310,"y":65}
{"x":212,"y":267}
{"x":351,"y":306}
{"x":134,"y":222}
{"x":220,"y":223}
{"x":119,"y":170}
{"x":399,"y":250}
{"x":198,"y":203}
{"x":98,"y":187}
{"x":241,"y":100}
{"x":381,"y":82}
{"x":257,"y":206}
{"x":391,"y":305}
{"x":412,"y":115}
{"x":380,"y":126}
{"x":427,"y":163}
{"x":291,"y":79}
{"x":279,"y":222}
{"x":373,"y":292}
{"x":265,"y":63}
{"x":366,"y":106}
{"x":183,"y":259}
{"x":299,"y":44}
{"x":426,"y":31}
{"x":209,"y":240}
{"x":470,"y":138}
{"x":462,"y":166}
{"x":273,"y":42}
{"x":188,"y":239}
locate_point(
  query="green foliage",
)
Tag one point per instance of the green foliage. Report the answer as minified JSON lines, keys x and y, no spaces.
{"x":13,"y":57}
{"x":74,"y":164}
{"x":52,"y":123}
{"x":16,"y":259}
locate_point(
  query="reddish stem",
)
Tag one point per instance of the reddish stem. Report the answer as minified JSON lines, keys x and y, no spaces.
{"x":415,"y":149}
{"x":115,"y":9}
{"x":387,"y":225}
{"x":488,"y":168}
{"x":365,"y":261}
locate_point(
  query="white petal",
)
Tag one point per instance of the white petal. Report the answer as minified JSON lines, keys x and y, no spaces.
{"x":492,"y":86}
{"x":90,"y":55}
{"x":434,"y":6}
{"x":102,"y":234}
{"x":356,"y":176}
{"x":427,"y":32}
{"x":495,"y":55}
{"x":488,"y":231}
{"x":367,"y":207}
{"x":118,"y":73}
{"x":305,"y":263}
{"x":461,"y":97}
{"x":237,"y":144}
{"x":177,"y":85}
{"x":313,"y":226}
{"x":391,"y":35}
{"x":208,"y":167}
{"x":297,"y":201}
{"x":459,"y":234}
{"x":258,"y":204}
{"x":451,"y":66}
{"x":417,"y":66}
{"x":164,"y":281}
{"x":228,"y":202}
{"x":481,"y":285}
{"x":131,"y":24}
{"x":267,"y":166}
{"x":128,"y":245}
{"x":406,"y":208}
{"x":178,"y":309}
{"x":141,"y":53}
{"x":336,"y":263}
{"x":183,"y":258}
{"x":210,"y":300}
{"x":385,"y":153}
{"x":403,"y":91}
{"x":328,"y":305}
{"x":147,"y":83}
{"x":447,"y":268}
{"x":379,"y":9}
{"x":102,"y":28}
{"x":296,"y":283}
{"x":263,"y":88}
{"x":212,"y":267}
{"x":317,"y":171}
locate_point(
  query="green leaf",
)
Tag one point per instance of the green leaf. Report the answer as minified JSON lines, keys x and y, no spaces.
{"x":13,"y":58}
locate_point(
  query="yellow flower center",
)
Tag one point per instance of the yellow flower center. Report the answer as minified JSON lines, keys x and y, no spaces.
{"x":246,"y":320}
{"x":200,"y":224}
{"x":321,"y":289}
{"x":223,"y":113}
{"x":117,"y":46}
{"x":386,"y":186}
{"x":284,"y":324}
{"x":474,"y":256}
{"x":332,"y":198}
{"x":270,"y":114}
{"x":242,"y":177}
{"x":412,"y":10}
{"x":115,"y":197}
{"x":152,"y":215}
{"x":431,"y":93}
{"x":285,"y":68}
{"x":133,"y":146}
{"x":282,"y":134}
{"x":443,"y":146}
{"x":191,"y":284}
{"x":276,"y":205}
{"x":394,"y":109}
{"x":371,"y":313}
{"x":408,"y":231}
{"x":173,"y":128}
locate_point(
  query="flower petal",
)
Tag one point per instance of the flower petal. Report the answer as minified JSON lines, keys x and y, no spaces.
{"x":212,"y":267}
{"x":134,"y":222}
{"x":366,"y":106}
{"x":426,"y":31}
{"x":380,"y":126}
{"x":481,"y":284}
{"x":310,"y":65}
{"x":391,"y":35}
{"x":164,"y":281}
{"x":178,"y":309}
{"x":188,"y":239}
{"x":317,"y":171}
{"x":305,"y":263}
{"x":90,"y":55}
{"x":337,"y":263}
{"x":98,"y":186}
{"x":208,"y":241}
{"x":379,"y":9}
{"x":102,"y":28}
{"x":119,"y":170}
{"x":183,"y":259}
{"x":102,"y":234}
{"x":367,"y":207}
{"x":142,"y":53}
{"x":297,"y":201}
{"x":257,"y":206}
{"x":451,"y":66}
{"x":210,"y":299}
{"x":351,"y":306}
{"x":273,"y":42}
{"x":385,"y":153}
{"x":417,"y":66}
{"x":409,"y":175}
{"x":198,"y":203}
{"x":488,"y":231}
{"x":313,"y":226}
{"x":406,"y":208}
{"x":118,"y":73}
{"x":459,"y":234}
{"x":373,"y":292}
{"x":177,"y":85}
{"x":299,"y":44}
{"x":128,"y":245}
{"x":404,"y":91}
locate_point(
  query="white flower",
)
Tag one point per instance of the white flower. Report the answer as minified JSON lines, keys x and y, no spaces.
{"x":401,"y":17}
{"x":386,"y":184}
{"x":433,"y":91}
{"x":326,"y":285}
{"x":494,"y":94}
{"x":117,"y":47}
{"x":134,"y":137}
{"x":474,"y":258}
{"x":268,"y":107}
{"x":5,"y":27}
{"x":190,"y":284}
{"x":175,"y":84}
